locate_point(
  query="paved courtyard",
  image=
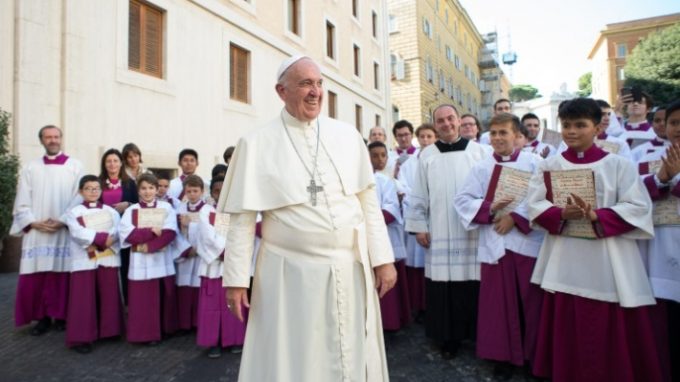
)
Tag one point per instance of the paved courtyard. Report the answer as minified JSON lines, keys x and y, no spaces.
{"x":178,"y":359}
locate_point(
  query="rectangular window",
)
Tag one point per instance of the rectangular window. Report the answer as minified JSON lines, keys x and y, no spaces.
{"x":376,"y":76}
{"x":620,"y":75}
{"x":374,"y":23}
{"x":427,"y":29}
{"x":457,"y":61}
{"x":330,"y":40}
{"x":355,"y":8}
{"x":239,"y":74}
{"x":449,"y":53}
{"x":294,"y":16}
{"x":145,"y":39}
{"x":377,"y":119}
{"x":392,"y":24}
{"x":357,"y":60}
{"x":357,"y":116}
{"x":332,"y":105}
{"x":621,"y":50}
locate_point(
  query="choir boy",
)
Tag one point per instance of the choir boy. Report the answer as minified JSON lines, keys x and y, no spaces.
{"x":533,"y":125}
{"x":217,"y":327}
{"x":637,"y":129}
{"x":663,"y":258}
{"x":163,"y":187}
{"x":148,"y":228}
{"x":415,"y":253}
{"x":596,"y":317}
{"x":660,"y":141}
{"x":188,"y":279}
{"x":394,"y":306}
{"x":509,"y":305}
{"x":94,"y":306}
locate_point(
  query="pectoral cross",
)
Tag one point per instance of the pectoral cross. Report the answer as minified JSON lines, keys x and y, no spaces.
{"x":313,"y":189}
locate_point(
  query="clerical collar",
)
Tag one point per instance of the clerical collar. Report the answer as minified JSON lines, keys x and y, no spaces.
{"x":602,"y":136}
{"x":195,"y":207}
{"x":58,"y":159}
{"x":294,"y":122}
{"x":507,"y":158}
{"x":592,"y":154}
{"x":93,"y":204}
{"x":534,"y":143}
{"x":144,"y":204}
{"x":408,"y":151}
{"x":642,"y":126}
{"x":459,"y":145}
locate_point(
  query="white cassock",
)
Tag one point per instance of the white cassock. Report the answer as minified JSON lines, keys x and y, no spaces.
{"x":389,"y":201}
{"x":624,"y":149}
{"x":485,"y":138}
{"x":82,"y":237}
{"x":614,"y":127}
{"x":537,"y":147}
{"x":147,"y":266}
{"x":45,"y":191}
{"x":607,"y":269}
{"x":176,"y":188}
{"x":314,"y":310}
{"x":661,"y":252}
{"x":393,"y":157}
{"x":656,"y":144}
{"x":452,"y":255}
{"x":637,"y":133}
{"x":469,"y":200}
{"x":211,"y":245}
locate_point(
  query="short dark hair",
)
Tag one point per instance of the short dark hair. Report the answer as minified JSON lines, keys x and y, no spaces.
{"x":215,"y":180}
{"x":375,"y":144}
{"x":530,"y":116}
{"x":131,"y":148}
{"x":672,"y":108}
{"x":122,"y":174}
{"x":401,"y":124}
{"x":426,"y":126}
{"x":603,"y":104}
{"x":444,"y":105}
{"x":86,"y":179}
{"x":40,"y":132}
{"x":228,"y":153}
{"x":501,"y":100}
{"x":523,"y":130}
{"x":581,"y":108}
{"x":192,"y":181}
{"x":186,"y":152}
{"x":162,"y":175}
{"x":219,"y":169}
{"x":503,"y":118}
{"x":148,"y":178}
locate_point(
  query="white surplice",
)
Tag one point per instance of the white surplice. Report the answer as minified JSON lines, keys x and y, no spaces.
{"x":415,"y":253}
{"x":314,"y":311}
{"x":469,"y":200}
{"x":452,"y":255}
{"x":82,"y":237}
{"x":188,"y":273}
{"x":624,"y":149}
{"x":147,"y":266}
{"x":608,"y":269}
{"x":661,"y":253}
{"x":389,"y":201}
{"x":45,"y":191}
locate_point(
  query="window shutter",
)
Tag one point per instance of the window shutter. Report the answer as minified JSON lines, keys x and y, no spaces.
{"x":134,"y":36}
{"x":153,"y":41}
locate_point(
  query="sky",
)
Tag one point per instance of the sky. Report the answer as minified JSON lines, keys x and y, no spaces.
{"x":552,"y":38}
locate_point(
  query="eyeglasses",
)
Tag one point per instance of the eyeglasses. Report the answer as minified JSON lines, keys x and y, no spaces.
{"x":92,"y":189}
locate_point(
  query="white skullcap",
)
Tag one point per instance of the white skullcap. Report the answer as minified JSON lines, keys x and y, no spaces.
{"x":287,"y":63}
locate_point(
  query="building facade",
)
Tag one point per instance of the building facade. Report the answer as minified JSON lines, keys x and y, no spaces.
{"x":494,"y":83}
{"x":170,"y":74}
{"x":434,"y":54}
{"x":613,"y":45}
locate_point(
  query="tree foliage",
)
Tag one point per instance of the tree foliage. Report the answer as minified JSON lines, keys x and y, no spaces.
{"x":523,"y":93}
{"x":9,"y":168}
{"x":654,"y":65}
{"x":585,"y":85}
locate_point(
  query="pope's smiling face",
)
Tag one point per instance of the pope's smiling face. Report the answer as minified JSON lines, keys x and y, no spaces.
{"x":301,"y":89}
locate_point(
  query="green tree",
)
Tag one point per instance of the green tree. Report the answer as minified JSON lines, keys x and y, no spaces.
{"x":585,"y":85}
{"x":523,"y":93}
{"x":9,"y":168}
{"x":654,"y":65}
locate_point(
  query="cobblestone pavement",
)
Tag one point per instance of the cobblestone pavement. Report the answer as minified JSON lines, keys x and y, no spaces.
{"x":178,"y":359}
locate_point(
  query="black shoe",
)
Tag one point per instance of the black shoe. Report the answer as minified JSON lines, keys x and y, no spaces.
{"x":60,"y":325}
{"x":236,"y":349}
{"x":41,"y":327}
{"x":215,"y":352}
{"x":503,"y":371}
{"x":83,"y":349}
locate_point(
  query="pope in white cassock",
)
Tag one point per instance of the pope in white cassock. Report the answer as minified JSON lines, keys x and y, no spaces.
{"x":314,"y":314}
